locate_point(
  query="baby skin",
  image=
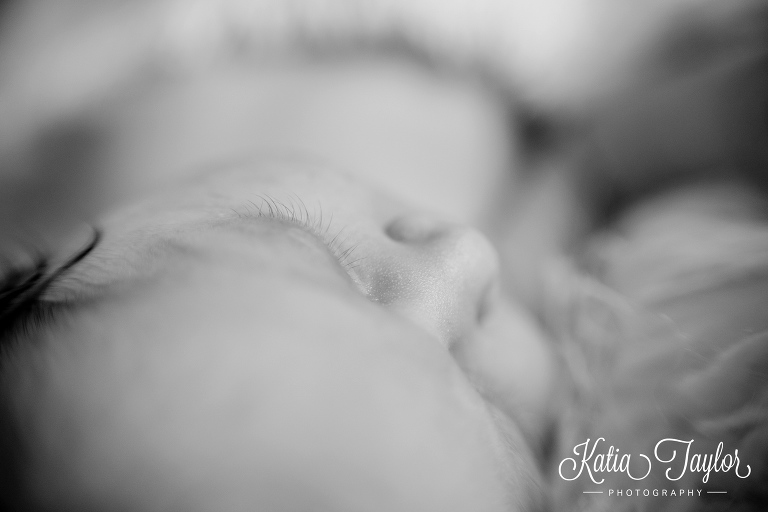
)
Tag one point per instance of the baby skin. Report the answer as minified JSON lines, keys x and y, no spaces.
{"x":276,"y":336}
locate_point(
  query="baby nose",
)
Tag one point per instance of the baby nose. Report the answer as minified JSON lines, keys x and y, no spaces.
{"x":444,"y":277}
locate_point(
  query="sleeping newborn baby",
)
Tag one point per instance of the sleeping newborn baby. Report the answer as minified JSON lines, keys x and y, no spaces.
{"x":272,"y":336}
{"x":305,"y":332}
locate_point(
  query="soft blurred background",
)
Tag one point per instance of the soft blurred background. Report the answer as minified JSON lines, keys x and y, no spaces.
{"x":478,"y":109}
{"x":616,"y":153}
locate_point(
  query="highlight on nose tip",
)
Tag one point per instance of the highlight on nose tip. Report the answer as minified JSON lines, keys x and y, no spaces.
{"x":474,"y":252}
{"x":455,"y":244}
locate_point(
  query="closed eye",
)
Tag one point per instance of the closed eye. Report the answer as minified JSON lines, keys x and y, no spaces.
{"x":22,"y":308}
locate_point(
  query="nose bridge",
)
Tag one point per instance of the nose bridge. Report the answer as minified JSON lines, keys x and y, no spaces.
{"x":446,"y":278}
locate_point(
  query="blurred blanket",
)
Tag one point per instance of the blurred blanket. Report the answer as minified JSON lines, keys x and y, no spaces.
{"x":665,"y":332}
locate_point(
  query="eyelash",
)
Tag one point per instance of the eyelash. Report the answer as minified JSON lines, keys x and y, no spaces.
{"x":21,"y":308}
{"x":296,"y":213}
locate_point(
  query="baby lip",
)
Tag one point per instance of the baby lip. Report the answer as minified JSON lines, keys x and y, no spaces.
{"x":509,"y":361}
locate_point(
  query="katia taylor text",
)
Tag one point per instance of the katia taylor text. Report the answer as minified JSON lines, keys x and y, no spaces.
{"x":593,"y":459}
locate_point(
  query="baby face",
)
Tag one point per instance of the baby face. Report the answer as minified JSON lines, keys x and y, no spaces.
{"x":277,"y":337}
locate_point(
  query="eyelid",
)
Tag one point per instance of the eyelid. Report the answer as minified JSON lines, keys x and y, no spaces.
{"x":22,"y":307}
{"x":297,"y":214}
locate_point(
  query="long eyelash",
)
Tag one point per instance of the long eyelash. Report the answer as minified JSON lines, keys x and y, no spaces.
{"x":295,"y":211}
{"x":21,"y":289}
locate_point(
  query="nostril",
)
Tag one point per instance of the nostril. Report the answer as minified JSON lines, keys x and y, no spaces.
{"x":444,"y":277}
{"x":486,"y":302}
{"x":417,"y":228}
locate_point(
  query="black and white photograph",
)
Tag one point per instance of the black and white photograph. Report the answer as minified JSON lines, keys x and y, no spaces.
{"x":384,"y":255}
